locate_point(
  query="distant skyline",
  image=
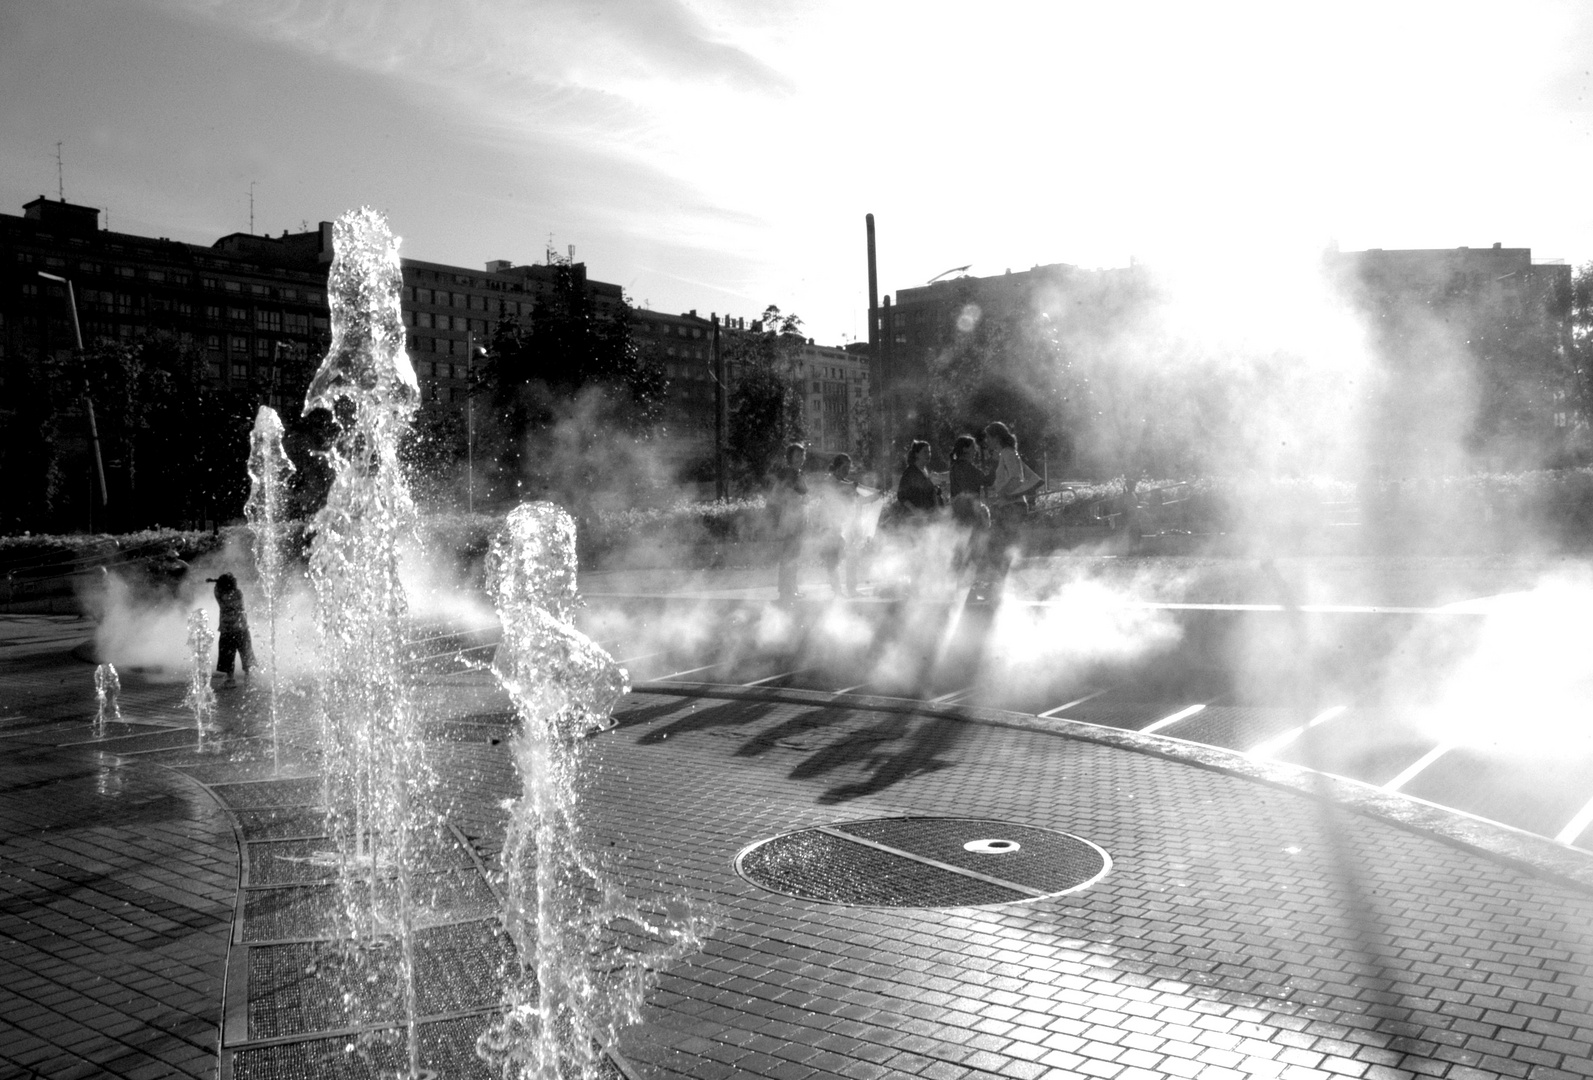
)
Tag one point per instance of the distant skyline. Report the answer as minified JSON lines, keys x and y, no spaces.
{"x":721,"y":156}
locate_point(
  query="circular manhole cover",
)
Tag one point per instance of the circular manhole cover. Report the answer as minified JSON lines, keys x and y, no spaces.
{"x":923,"y":862}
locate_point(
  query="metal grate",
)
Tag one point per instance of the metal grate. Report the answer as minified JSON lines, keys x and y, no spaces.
{"x":267,"y":793}
{"x":448,"y":1047}
{"x":923,"y":862}
{"x":291,"y":862}
{"x":301,"y":988}
{"x":310,"y":911}
{"x":281,"y":822}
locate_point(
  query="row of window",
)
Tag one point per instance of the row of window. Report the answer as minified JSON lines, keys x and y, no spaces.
{"x":427,"y":320}
{"x":465,"y":301}
{"x":688,"y":371}
{"x":664,"y":328}
{"x":443,"y":371}
{"x":441,"y":346}
{"x":175,"y":278}
{"x":458,"y":279}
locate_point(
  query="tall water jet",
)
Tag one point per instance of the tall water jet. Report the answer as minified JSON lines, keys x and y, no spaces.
{"x":569,"y":998}
{"x":375,"y":772}
{"x":269,"y":470}
{"x":107,"y":695}
{"x":200,"y":697}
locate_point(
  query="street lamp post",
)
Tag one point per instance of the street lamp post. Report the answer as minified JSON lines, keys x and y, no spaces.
{"x":88,"y":402}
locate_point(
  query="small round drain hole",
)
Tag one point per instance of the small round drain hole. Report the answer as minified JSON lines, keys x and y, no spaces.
{"x":992,"y":847}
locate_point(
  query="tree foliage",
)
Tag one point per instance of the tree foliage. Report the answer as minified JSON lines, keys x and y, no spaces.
{"x":1579,"y":356}
{"x":173,"y":444}
{"x":566,"y":392}
{"x":765,"y":402}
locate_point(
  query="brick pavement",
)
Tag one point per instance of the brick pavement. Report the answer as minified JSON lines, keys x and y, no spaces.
{"x":116,"y":883}
{"x":1245,"y":929}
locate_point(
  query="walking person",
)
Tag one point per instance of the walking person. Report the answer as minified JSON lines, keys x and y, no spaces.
{"x":918,"y":500}
{"x":1010,"y":488}
{"x":788,"y":500}
{"x":840,"y":502}
{"x":916,"y":492}
{"x":969,"y":510}
{"x":966,"y":478}
{"x":234,"y":625}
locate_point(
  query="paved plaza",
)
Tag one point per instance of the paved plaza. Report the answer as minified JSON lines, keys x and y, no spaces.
{"x":1239,"y":920}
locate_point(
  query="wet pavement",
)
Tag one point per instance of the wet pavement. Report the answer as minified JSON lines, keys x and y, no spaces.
{"x":1244,"y":919}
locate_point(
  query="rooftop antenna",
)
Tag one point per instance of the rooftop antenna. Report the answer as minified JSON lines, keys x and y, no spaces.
{"x":60,"y":174}
{"x":252,"y":183}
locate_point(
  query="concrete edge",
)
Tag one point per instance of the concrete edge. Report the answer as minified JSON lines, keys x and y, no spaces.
{"x":1517,"y":848}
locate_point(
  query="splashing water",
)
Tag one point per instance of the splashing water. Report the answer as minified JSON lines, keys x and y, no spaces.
{"x":200,"y":697}
{"x":107,"y":693}
{"x":269,"y":469}
{"x":376,"y":775}
{"x":568,"y":921}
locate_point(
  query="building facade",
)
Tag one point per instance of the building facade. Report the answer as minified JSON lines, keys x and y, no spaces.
{"x":924,"y":323}
{"x":1473,"y":351}
{"x":451,"y":312}
{"x":835,"y":385}
{"x":682,"y":345}
{"x":832,"y":382}
{"x":256,"y":305}
{"x":1470,"y":345}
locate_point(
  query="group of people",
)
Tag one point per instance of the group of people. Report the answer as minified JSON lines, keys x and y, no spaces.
{"x":839,"y":500}
{"x":989,"y":487}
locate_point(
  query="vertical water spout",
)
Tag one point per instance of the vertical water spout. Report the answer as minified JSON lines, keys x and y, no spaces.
{"x":200,"y":697}
{"x":269,"y":470}
{"x":564,"y":913}
{"x":375,"y":770}
{"x":107,"y":696}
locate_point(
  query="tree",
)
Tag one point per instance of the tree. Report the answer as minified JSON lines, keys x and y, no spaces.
{"x":765,"y":402}
{"x":162,"y":434}
{"x":571,"y":398}
{"x":1579,"y":354}
{"x":1527,"y":372}
{"x":31,"y":446}
{"x":1003,"y":364}
{"x":863,"y":424}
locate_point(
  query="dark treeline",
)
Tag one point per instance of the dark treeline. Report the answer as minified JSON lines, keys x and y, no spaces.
{"x":173,"y":447}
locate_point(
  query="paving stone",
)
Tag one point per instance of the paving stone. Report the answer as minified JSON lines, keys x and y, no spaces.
{"x":1243,"y":931}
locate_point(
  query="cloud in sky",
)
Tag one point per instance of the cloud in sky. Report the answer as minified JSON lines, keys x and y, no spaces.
{"x":721,"y":155}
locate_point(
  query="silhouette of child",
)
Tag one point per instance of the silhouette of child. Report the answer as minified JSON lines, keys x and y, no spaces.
{"x":234,"y":637}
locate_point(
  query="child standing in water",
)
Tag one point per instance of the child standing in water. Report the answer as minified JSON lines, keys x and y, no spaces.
{"x":234,"y":628}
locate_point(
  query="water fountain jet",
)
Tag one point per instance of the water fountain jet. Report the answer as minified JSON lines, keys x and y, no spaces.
{"x":269,"y":470}
{"x":107,"y":696}
{"x":561,"y":909}
{"x":201,"y":698}
{"x":375,"y":772}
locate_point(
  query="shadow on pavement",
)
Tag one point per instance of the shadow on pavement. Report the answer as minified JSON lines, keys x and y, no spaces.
{"x":918,"y":756}
{"x":727,"y":714}
{"x":799,"y":725}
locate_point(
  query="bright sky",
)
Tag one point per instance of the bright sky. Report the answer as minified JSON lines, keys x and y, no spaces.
{"x":721,"y":155}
